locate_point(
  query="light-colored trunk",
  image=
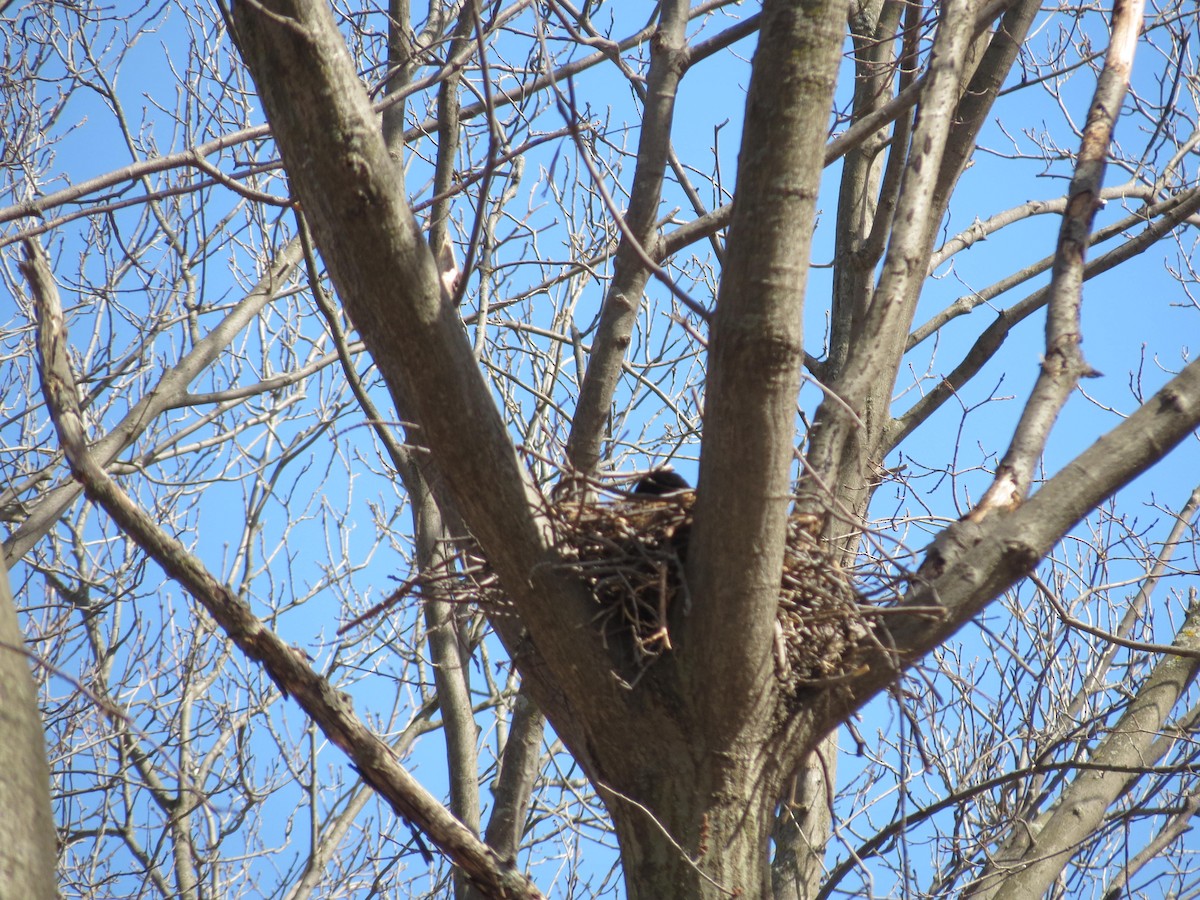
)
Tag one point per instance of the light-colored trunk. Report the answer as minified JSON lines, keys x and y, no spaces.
{"x":27,"y":841}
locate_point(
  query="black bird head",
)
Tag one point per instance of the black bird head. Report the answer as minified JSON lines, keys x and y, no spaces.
{"x":661,"y":482}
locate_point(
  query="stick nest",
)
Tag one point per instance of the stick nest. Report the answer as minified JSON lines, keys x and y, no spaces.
{"x":632,"y":554}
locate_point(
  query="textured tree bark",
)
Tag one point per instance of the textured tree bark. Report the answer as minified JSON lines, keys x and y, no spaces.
{"x":519,"y":769}
{"x":27,"y":840}
{"x":802,"y":826}
{"x":755,"y":359}
{"x":844,"y":443}
{"x":699,"y":828}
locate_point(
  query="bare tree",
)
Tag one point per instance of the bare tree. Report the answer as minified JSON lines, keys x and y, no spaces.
{"x":342,"y":336}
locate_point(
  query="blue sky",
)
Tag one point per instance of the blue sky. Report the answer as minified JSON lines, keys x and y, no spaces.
{"x":1125,"y":311}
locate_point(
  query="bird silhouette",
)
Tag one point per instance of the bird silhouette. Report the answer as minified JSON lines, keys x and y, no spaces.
{"x":660,"y":483}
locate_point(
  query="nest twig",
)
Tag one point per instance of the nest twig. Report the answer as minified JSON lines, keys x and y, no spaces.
{"x":631,"y":553}
{"x":820,"y":626}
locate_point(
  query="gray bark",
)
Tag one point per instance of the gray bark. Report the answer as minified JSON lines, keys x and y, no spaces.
{"x":803,"y":826}
{"x":519,"y":767}
{"x":27,"y":839}
{"x":630,"y":745}
{"x":755,"y":358}
{"x":353,"y":196}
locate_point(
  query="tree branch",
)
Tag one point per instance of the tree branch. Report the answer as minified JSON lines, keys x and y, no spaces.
{"x":980,"y":94}
{"x":1171,"y":213}
{"x":755,"y":359}
{"x":839,"y":450}
{"x":1051,"y":839}
{"x":169,"y":392}
{"x":971,"y":562}
{"x":353,"y":197}
{"x":288,"y":667}
{"x":1063,"y":364}
{"x":27,"y":839}
{"x":519,"y":766}
{"x":623,"y":299}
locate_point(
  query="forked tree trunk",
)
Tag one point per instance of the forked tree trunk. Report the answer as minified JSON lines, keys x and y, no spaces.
{"x":690,"y":763}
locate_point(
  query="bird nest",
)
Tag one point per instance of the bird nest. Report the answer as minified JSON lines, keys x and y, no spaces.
{"x":632,"y":552}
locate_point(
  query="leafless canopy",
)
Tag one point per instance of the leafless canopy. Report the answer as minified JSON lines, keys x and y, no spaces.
{"x":336,"y":339}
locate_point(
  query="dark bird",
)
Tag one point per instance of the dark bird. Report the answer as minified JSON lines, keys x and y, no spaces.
{"x":660,"y":483}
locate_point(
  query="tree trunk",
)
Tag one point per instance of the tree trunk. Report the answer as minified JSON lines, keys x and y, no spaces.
{"x":803,"y":825}
{"x":700,"y":829}
{"x":27,"y":841}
